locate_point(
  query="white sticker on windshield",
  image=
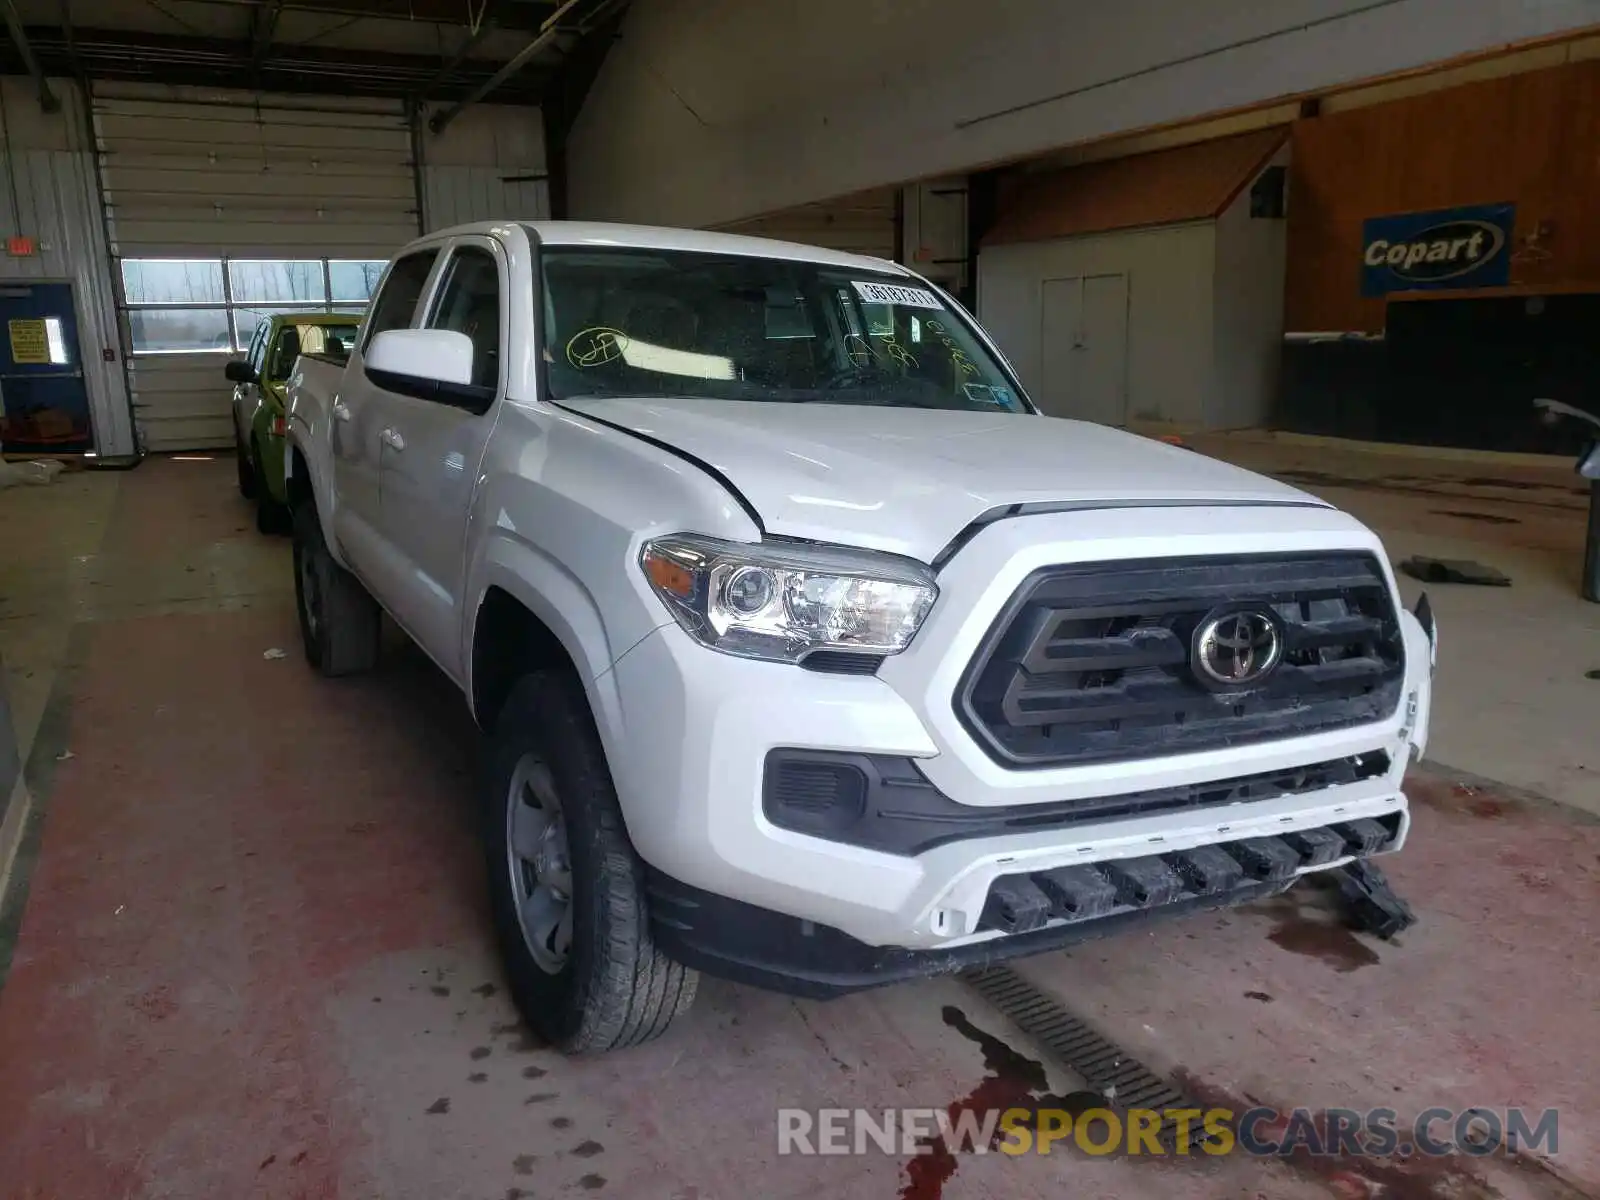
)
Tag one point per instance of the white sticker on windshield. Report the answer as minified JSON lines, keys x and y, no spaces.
{"x":893,"y":293}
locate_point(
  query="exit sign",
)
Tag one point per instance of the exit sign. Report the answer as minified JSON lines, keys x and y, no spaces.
{"x":20,"y":247}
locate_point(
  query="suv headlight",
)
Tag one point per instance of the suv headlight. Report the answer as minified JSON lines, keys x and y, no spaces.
{"x":780,"y":602}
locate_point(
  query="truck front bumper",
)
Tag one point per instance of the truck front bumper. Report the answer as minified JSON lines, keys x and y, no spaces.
{"x":700,"y":727}
{"x":766,"y":949}
{"x":919,"y":879}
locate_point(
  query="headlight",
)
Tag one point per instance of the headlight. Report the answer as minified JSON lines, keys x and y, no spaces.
{"x":781,"y":602}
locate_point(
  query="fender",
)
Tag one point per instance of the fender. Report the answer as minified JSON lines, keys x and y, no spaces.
{"x":301,"y":435}
{"x":1421,"y":649}
{"x":558,"y":598}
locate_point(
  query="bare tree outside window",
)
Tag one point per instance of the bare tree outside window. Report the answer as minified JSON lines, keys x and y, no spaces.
{"x":354,"y":279}
{"x":181,"y":306}
{"x":277,"y":281}
{"x":172,"y":281}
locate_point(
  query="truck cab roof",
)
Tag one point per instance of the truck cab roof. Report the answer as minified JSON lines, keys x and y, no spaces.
{"x":601,"y":234}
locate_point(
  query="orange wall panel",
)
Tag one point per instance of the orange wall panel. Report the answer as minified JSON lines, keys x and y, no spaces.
{"x":1532,"y":139}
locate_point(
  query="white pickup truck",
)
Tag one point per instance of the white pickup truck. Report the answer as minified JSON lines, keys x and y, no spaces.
{"x":810,"y":653}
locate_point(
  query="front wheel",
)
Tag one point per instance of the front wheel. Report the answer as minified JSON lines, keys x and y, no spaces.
{"x":566,"y":887}
{"x":339,"y":621}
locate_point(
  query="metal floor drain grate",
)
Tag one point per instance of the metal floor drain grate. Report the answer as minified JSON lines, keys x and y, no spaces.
{"x":1103,"y":1065}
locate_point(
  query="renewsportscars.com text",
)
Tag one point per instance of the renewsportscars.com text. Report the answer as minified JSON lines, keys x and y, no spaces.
{"x":1260,"y":1132}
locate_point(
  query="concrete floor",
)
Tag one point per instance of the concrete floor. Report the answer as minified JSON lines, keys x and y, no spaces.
{"x":248,"y":953}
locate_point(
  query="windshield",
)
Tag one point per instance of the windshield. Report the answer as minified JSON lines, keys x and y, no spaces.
{"x":731,"y":327}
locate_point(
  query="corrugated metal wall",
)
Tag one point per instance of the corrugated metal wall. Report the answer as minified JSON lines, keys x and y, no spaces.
{"x":488,"y":164}
{"x":46,"y":163}
{"x":207,"y":174}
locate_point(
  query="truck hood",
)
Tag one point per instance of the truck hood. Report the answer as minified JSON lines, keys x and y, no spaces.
{"x":908,"y":480}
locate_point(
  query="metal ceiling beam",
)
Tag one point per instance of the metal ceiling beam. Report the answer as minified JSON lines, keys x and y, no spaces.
{"x":547,"y":34}
{"x":186,"y":26}
{"x":19,"y":36}
{"x":489,"y":22}
{"x":263,"y":26}
{"x":72,"y":45}
{"x":106,"y":54}
{"x":516,"y":15}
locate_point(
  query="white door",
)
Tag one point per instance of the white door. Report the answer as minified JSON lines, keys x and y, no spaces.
{"x":358,"y":418}
{"x":433,"y":447}
{"x":1084,"y":348}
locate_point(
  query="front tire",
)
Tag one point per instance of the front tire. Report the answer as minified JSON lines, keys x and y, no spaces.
{"x":566,"y":886}
{"x":340,"y":622}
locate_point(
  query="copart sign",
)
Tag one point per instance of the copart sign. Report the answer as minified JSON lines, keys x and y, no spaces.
{"x":1446,"y":248}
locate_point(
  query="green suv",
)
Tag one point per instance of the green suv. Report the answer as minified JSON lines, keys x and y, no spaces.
{"x":258,"y":394}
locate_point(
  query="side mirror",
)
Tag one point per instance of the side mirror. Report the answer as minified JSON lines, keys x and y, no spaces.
{"x":238,"y":371}
{"x":1589,"y":464}
{"x":431,"y":355}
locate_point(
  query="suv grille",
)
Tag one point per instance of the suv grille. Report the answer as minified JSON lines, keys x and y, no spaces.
{"x":1091,"y":662}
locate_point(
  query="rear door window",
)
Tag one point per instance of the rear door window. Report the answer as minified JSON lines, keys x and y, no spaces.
{"x":396,"y":304}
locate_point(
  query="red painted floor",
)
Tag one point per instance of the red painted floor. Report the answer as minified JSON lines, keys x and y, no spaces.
{"x":254,"y":962}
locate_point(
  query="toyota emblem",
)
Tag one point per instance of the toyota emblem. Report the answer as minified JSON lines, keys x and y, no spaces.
{"x":1237,"y":648}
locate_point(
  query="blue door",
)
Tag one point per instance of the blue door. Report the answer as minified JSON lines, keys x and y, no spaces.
{"x":42,"y":393}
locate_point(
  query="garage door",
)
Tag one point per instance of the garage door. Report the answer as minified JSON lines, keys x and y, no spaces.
{"x":224,"y":208}
{"x":860,"y":224}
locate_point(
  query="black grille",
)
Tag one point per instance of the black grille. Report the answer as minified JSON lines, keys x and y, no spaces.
{"x":1090,"y":662}
{"x":881,"y":802}
{"x":814,"y":792}
{"x":1219,"y":872}
{"x":842,"y":662}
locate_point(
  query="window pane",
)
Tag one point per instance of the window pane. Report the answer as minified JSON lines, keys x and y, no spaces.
{"x":256,"y":354}
{"x":469,"y":303}
{"x":278,"y":281}
{"x":354,"y":279}
{"x":171,"y":330}
{"x":397,"y":303}
{"x":321,"y":338}
{"x":172,"y":281}
{"x":55,"y":339}
{"x":309,"y":337}
{"x":246,"y":318}
{"x":670,"y":323}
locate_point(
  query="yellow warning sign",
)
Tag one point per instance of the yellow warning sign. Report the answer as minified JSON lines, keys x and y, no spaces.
{"x":28,"y":341}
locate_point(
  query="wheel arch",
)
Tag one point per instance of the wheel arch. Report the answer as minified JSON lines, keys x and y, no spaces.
{"x":297,"y":476}
{"x":301,"y":486}
{"x":530,"y":614}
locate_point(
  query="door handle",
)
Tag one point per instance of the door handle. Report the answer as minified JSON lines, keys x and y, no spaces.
{"x":341,"y":411}
{"x":393,"y":440}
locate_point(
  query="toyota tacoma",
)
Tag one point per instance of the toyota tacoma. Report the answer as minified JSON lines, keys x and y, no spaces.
{"x":810,"y":654}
